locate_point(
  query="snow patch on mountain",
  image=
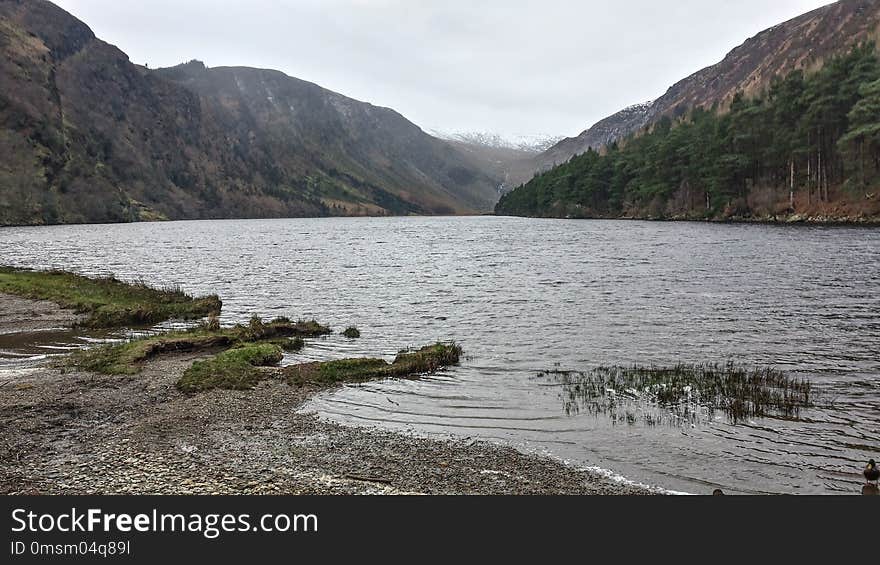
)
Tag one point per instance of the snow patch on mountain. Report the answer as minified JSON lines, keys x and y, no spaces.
{"x":528,"y":143}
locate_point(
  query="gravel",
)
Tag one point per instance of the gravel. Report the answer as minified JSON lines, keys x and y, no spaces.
{"x":18,"y":315}
{"x":70,"y":432}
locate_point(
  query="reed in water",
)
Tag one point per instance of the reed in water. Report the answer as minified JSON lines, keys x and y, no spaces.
{"x":738,"y":391}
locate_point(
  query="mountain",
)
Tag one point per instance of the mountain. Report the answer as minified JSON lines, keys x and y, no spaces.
{"x":87,"y":136}
{"x":510,"y":160}
{"x":801,"y":43}
{"x":530,"y":144}
{"x":722,"y":145}
{"x":605,"y":132}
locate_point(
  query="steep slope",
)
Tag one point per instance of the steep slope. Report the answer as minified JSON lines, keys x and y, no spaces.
{"x":808,"y":148}
{"x":502,"y":163}
{"x":87,"y":136}
{"x":366,"y":153}
{"x":511,"y":161}
{"x":801,"y":43}
{"x":604,"y":132}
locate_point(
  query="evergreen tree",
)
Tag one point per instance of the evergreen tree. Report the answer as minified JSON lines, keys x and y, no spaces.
{"x":863,"y":136}
{"x":807,"y":134}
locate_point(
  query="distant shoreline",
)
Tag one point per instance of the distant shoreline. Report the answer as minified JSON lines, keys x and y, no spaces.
{"x":795,"y":220}
{"x":778,"y":221}
{"x":248,"y":219}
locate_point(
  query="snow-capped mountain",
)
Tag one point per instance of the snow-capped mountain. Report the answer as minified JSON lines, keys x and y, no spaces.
{"x":528,"y":143}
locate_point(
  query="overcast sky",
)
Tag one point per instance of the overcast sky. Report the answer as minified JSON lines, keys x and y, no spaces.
{"x":513,"y":67}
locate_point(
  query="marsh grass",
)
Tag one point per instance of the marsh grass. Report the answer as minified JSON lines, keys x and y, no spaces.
{"x":292,"y":344}
{"x":407,"y":364}
{"x":234,"y":369}
{"x":281,"y":327}
{"x":108,"y":302}
{"x":127,"y":358}
{"x":684,"y":392}
{"x":352,"y":333}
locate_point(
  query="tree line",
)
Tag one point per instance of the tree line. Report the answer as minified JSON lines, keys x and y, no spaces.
{"x":808,"y":139}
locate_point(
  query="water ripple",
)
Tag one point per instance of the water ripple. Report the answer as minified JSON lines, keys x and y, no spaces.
{"x":528,"y":295}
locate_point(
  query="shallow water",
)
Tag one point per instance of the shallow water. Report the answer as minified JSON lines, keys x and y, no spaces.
{"x":526,"y":295}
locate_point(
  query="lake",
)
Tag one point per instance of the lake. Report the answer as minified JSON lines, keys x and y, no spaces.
{"x":525,"y":295}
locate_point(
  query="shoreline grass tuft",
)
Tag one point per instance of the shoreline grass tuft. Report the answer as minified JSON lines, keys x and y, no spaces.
{"x":108,"y":302}
{"x":293,"y":344}
{"x":352,"y":332}
{"x":233,"y":369}
{"x":128,"y":357}
{"x":407,"y":364}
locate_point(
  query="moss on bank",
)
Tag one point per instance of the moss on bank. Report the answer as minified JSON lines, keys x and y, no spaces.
{"x":407,"y":364}
{"x":128,"y":357}
{"x":234,"y":369}
{"x":107,"y":302}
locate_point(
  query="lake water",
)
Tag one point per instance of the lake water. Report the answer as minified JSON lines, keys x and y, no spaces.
{"x":522,"y":296}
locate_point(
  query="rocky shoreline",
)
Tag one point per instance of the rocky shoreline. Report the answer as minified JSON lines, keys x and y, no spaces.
{"x":75,"y":432}
{"x":780,"y":220}
{"x":795,"y":219}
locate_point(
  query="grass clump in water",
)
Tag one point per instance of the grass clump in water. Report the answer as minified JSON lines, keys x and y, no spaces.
{"x":293,"y":344}
{"x":107,"y":302}
{"x":235,"y":369}
{"x":280,"y":327}
{"x":352,"y":333}
{"x":428,"y":359}
{"x":407,"y":364}
{"x":686,"y":390}
{"x":128,"y":357}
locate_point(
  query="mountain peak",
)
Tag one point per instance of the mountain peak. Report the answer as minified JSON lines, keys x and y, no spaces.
{"x":527,"y":143}
{"x":96,"y":138}
{"x":803,"y":42}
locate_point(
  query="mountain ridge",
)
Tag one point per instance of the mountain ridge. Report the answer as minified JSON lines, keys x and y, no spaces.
{"x":800,"y":42}
{"x":807,"y":149}
{"x":92,"y":137}
{"x":535,"y":144}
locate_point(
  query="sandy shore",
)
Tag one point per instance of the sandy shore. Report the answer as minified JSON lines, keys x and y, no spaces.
{"x":69,"y":432}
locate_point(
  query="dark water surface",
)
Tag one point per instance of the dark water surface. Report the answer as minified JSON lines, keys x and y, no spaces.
{"x":525,"y":295}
